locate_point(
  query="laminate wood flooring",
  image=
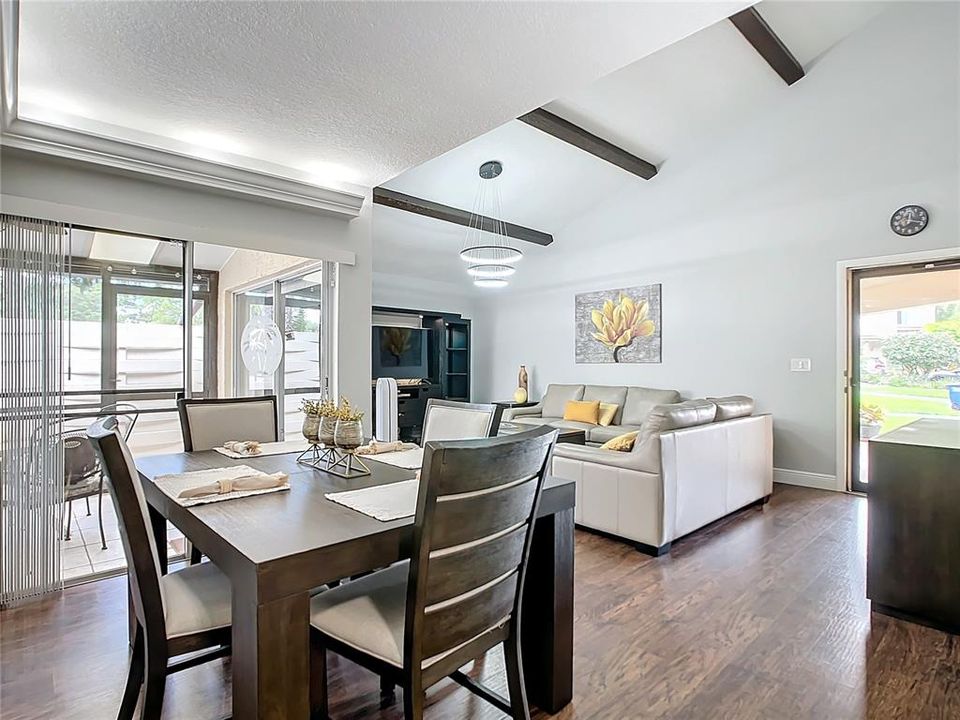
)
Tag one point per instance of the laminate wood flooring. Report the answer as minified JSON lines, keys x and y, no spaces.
{"x":762,"y":615}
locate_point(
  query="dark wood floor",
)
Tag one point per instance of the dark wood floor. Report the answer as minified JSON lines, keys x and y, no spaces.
{"x":759,"y":616}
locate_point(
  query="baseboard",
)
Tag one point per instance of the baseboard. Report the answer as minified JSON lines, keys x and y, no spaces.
{"x":807,"y":479}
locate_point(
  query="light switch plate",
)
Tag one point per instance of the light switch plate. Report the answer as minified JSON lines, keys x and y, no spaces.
{"x":800,"y":364}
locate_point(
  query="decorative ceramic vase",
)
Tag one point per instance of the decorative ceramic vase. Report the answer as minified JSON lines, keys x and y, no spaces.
{"x":311,"y":428}
{"x":349,"y":434}
{"x":523,"y":382}
{"x":328,"y":430}
{"x":520,"y":395}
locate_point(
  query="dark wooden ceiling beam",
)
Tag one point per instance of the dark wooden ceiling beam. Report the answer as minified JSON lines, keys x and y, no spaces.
{"x":766,"y":42}
{"x":428,"y":208}
{"x":575,"y":135}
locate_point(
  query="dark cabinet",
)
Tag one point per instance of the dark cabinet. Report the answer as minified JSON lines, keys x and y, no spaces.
{"x":913,"y":545}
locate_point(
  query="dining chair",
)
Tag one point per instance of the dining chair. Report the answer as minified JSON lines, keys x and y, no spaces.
{"x":183,"y":612}
{"x":418,"y":621}
{"x":206,"y":423}
{"x":451,"y":420}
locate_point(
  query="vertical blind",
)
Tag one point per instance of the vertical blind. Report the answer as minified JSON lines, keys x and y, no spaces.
{"x":31,"y":460}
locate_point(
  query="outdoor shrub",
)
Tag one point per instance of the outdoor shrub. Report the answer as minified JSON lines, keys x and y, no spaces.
{"x":918,"y":354}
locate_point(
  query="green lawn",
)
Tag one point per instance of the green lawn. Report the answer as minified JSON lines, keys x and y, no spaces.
{"x":903,"y":405}
{"x":899,"y":390}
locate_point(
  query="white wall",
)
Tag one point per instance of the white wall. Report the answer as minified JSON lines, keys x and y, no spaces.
{"x":40,"y":186}
{"x":745,"y":234}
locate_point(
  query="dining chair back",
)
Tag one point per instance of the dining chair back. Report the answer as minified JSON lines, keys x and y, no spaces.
{"x":143,"y":560}
{"x":184,"y":612}
{"x":451,"y":420}
{"x":126,"y":414}
{"x":206,"y":423}
{"x":475,"y":515}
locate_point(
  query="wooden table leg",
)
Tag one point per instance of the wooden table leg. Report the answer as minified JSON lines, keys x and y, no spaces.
{"x":271,"y":656}
{"x":547,"y":614}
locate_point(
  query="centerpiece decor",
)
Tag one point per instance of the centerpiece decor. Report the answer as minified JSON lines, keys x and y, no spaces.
{"x":334,"y":433}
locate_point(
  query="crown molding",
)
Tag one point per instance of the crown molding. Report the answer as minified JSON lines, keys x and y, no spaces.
{"x":120,"y":155}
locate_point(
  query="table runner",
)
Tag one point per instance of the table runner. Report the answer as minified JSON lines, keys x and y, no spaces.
{"x":383,"y":502}
{"x":173,"y":485}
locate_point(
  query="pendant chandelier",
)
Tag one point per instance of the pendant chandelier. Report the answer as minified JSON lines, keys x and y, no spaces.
{"x":490,"y":258}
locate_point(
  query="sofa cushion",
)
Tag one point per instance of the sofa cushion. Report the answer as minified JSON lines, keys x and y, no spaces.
{"x":572,"y":425}
{"x":732,"y":406}
{"x":640,"y":401}
{"x":612,"y":394}
{"x":555,"y":399}
{"x":600,"y":434}
{"x":533,"y":420}
{"x":608,"y":413}
{"x":582,"y":411}
{"x":621,"y":443}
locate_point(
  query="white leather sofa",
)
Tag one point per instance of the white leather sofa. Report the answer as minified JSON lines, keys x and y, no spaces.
{"x":693,"y":462}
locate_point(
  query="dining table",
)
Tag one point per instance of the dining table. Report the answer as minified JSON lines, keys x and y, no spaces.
{"x":278,"y":547}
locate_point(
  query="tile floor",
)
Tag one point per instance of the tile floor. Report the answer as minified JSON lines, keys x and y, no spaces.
{"x":83,"y":553}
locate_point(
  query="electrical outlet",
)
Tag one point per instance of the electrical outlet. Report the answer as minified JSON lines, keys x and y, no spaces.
{"x":800,"y":365}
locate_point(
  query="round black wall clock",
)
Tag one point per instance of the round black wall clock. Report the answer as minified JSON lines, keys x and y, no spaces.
{"x":909,"y":220}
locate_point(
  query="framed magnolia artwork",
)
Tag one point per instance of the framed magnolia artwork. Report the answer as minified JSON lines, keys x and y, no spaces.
{"x":618,"y":326}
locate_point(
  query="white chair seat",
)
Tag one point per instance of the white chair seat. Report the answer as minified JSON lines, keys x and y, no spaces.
{"x":196,"y":599}
{"x":367,"y":613}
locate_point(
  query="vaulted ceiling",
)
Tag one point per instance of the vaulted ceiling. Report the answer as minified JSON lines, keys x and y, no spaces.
{"x":672,"y":104}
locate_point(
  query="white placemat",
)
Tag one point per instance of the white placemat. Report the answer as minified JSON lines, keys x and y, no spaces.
{"x":407,"y":459}
{"x":383,"y":502}
{"x":269,"y":448}
{"x":173,"y":485}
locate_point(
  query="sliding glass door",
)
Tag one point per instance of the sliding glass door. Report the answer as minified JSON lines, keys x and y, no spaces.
{"x":297,"y":304}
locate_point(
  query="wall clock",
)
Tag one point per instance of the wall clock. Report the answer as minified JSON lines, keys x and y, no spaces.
{"x":909,"y":220}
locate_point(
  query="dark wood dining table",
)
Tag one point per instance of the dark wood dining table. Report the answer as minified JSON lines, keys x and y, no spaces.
{"x":277,"y":547}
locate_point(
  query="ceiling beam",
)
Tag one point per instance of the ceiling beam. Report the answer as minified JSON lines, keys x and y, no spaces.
{"x":427,"y":208}
{"x":588,"y":142}
{"x":766,"y":42}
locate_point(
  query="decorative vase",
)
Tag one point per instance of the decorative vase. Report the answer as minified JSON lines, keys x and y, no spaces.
{"x":328,"y":430}
{"x":520,"y":395}
{"x":311,"y":428}
{"x":523,"y":381}
{"x":349,"y":434}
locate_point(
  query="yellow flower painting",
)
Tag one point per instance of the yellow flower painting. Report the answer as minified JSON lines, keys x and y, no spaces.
{"x":619,"y":326}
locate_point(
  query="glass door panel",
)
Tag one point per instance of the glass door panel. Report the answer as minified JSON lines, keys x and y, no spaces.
{"x":248,"y":305}
{"x":301,"y":298}
{"x":905,"y":353}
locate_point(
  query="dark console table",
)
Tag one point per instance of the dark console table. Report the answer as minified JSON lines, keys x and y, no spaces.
{"x":913,"y":546}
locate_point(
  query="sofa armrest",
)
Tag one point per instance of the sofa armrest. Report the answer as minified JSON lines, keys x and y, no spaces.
{"x":611,"y":458}
{"x":531,"y":411}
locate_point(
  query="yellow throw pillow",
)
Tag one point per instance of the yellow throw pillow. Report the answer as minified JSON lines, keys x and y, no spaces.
{"x":582,"y":411}
{"x":607,"y":412}
{"x":621,"y":443}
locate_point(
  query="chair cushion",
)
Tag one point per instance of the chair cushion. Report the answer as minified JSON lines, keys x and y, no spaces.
{"x":582,"y":411}
{"x":611,"y":394}
{"x":555,"y":399}
{"x":640,"y":402}
{"x":732,"y":406}
{"x":367,"y":613}
{"x":621,"y":443}
{"x":608,"y":413}
{"x":196,"y":599}
{"x":600,"y":434}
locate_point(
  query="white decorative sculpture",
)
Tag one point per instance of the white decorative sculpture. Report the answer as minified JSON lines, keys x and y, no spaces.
{"x":261,"y":346}
{"x":388,"y":420}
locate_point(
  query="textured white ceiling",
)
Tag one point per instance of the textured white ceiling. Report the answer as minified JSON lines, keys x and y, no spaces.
{"x":335,"y":91}
{"x":671,"y":108}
